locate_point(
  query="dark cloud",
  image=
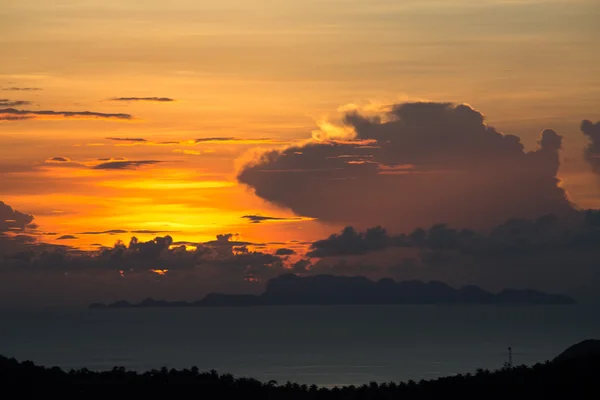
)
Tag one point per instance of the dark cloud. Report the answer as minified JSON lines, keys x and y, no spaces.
{"x":257,"y":219}
{"x":546,"y":253}
{"x":151,"y":232}
{"x":125,"y":164}
{"x":9,"y":114}
{"x":22,"y":89}
{"x":131,"y":271}
{"x":16,"y":231}
{"x":107,"y":232}
{"x":225,"y":237}
{"x":66,"y":162}
{"x":15,"y":117}
{"x":121,"y":231}
{"x":152,"y":99}
{"x":516,"y":235}
{"x":350,"y":242}
{"x":13,"y":103}
{"x":160,"y":253}
{"x":59,"y":159}
{"x":301,"y":266}
{"x":592,"y":151}
{"x":66,"y":237}
{"x":420,"y":164}
{"x":225,"y":140}
{"x":126,"y":139}
{"x":226,"y":240}
{"x":11,"y":219}
{"x":284,"y":252}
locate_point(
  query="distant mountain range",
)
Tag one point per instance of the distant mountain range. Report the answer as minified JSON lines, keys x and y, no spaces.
{"x":290,"y":289}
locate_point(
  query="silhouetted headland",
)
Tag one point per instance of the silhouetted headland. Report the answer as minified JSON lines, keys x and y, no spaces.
{"x":290,"y":289}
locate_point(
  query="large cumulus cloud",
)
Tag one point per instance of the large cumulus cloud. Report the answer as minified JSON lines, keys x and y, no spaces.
{"x":420,"y":164}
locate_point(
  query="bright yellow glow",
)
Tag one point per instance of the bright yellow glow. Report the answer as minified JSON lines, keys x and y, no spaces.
{"x":167,"y":185}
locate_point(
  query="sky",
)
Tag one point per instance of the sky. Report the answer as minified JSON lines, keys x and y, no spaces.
{"x":244,"y":127}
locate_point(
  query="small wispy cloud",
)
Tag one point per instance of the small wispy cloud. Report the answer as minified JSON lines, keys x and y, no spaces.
{"x":58,"y":160}
{"x":224,"y":140}
{"x":22,"y":89}
{"x":13,"y":103}
{"x":11,"y":114}
{"x":126,"y":139}
{"x":257,"y":219}
{"x":122,"y":231}
{"x":125,"y":164}
{"x":66,"y":237}
{"x":151,"y":99}
{"x":107,"y":232}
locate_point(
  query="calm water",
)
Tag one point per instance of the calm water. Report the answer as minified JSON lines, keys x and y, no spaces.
{"x":324,"y":345}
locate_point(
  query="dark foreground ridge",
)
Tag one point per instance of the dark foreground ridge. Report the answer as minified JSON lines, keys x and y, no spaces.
{"x":575,"y":378}
{"x":290,"y":289}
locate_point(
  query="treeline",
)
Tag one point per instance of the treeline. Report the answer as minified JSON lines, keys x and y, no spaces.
{"x":579,"y":379}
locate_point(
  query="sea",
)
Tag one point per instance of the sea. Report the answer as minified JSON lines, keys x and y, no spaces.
{"x":322,"y":345}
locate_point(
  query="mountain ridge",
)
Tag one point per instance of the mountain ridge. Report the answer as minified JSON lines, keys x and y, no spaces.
{"x":290,"y":289}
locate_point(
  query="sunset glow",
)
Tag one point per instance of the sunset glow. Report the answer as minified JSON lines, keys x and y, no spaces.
{"x":189,"y":132}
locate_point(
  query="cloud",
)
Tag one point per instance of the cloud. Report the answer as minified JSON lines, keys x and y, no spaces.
{"x":121,"y":231}
{"x":130,"y":271}
{"x":224,"y":140}
{"x":125,"y":164}
{"x":22,"y":89}
{"x":151,"y":232}
{"x":58,"y":160}
{"x":13,"y":103}
{"x":160,"y":253}
{"x":66,"y":162}
{"x":301,"y":266}
{"x":350,"y":242}
{"x":151,"y":99}
{"x":546,"y":253}
{"x":15,"y":230}
{"x":12,"y":114}
{"x":419,"y":164}
{"x":15,"y":117}
{"x":107,"y":232}
{"x":284,"y":252}
{"x":126,"y":139}
{"x":257,"y":219}
{"x":592,"y":151}
{"x":227,"y":240}
{"x":226,"y":237}
{"x":66,"y":237}
{"x":514,"y":235}
{"x":11,"y":219}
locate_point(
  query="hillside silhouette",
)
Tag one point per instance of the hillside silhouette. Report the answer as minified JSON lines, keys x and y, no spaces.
{"x":290,"y":289}
{"x":575,"y":378}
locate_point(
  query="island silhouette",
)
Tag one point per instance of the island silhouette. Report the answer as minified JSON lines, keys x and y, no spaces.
{"x":290,"y":289}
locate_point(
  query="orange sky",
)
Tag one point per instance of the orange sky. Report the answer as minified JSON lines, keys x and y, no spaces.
{"x":267,"y":74}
